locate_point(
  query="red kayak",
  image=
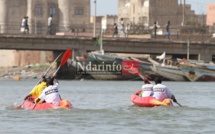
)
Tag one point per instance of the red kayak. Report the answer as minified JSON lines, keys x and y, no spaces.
{"x":148,"y":101}
{"x":28,"y":104}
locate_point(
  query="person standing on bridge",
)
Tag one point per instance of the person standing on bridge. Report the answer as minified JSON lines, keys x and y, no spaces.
{"x":167,"y":30}
{"x":22,"y":30}
{"x":122,"y":28}
{"x":115,"y":30}
{"x":155,"y":29}
{"x":26,"y":25}
{"x":50,"y":25}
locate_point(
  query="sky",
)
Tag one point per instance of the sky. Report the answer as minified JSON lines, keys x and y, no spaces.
{"x":109,"y":7}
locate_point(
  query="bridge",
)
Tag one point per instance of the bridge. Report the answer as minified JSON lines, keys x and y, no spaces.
{"x":178,"y":49}
{"x":197,"y":50}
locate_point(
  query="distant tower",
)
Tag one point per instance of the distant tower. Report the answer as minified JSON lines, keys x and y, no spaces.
{"x":64,"y":14}
{"x":3,"y":16}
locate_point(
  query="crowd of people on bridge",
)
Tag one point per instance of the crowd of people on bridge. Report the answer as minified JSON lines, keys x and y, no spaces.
{"x":25,"y":28}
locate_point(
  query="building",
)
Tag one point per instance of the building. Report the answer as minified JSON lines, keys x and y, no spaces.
{"x":146,"y":12}
{"x":11,"y":58}
{"x":210,"y":14}
{"x":67,"y":14}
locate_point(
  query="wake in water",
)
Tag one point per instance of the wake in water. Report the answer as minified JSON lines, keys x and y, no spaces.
{"x":10,"y":107}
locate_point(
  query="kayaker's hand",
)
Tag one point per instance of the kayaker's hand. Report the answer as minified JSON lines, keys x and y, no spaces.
{"x":43,"y":76}
{"x":53,"y":77}
{"x":36,"y":100}
{"x":174,"y":100}
{"x":26,"y":98}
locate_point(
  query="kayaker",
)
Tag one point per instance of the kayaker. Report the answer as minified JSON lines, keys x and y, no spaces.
{"x":147,"y":89}
{"x":161,"y":92}
{"x":37,"y":90}
{"x":50,"y":94}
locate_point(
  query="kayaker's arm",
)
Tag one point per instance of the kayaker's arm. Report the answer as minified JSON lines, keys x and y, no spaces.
{"x":27,"y":97}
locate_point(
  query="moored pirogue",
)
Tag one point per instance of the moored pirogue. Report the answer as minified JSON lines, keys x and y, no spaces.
{"x":148,"y":101}
{"x":28,"y":104}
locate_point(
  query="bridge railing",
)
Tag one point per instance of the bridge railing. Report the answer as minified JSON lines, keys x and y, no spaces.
{"x":130,"y":31}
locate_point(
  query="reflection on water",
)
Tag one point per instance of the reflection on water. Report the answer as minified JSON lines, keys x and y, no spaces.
{"x":105,"y":107}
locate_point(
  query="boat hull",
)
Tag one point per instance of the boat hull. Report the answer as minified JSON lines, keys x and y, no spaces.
{"x":148,"y":101}
{"x":197,"y":73}
{"x":169,"y":72}
{"x":28,"y":104}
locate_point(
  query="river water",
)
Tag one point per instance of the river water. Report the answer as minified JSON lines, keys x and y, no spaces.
{"x":104,"y":107}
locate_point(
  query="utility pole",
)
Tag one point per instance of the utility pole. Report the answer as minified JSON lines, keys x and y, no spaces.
{"x":188,"y":46}
{"x":94,"y":21}
{"x":183,"y":18}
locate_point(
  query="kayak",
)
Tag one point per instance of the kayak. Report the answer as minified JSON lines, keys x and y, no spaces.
{"x":28,"y":104}
{"x":148,"y":101}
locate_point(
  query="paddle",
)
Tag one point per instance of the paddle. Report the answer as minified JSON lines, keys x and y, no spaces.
{"x":135,"y":70}
{"x":178,"y":104}
{"x":18,"y":107}
{"x":141,"y":76}
{"x":50,"y":66}
{"x":64,"y":59}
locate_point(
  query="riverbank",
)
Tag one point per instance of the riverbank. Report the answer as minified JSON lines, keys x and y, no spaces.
{"x":26,"y":72}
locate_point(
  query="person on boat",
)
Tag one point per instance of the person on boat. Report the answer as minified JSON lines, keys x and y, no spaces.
{"x":50,"y":94}
{"x":37,"y":90}
{"x":161,"y":92}
{"x":147,"y":89}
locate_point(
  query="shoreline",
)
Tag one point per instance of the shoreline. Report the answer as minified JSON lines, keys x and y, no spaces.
{"x":24,"y":72}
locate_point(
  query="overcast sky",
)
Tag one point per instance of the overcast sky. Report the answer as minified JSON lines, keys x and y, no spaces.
{"x":105,"y":7}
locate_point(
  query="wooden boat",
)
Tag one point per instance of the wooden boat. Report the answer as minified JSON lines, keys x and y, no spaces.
{"x":198,"y":71}
{"x":28,"y":104}
{"x":144,"y":65}
{"x":148,"y":101}
{"x":168,"y":71}
{"x":91,"y":59}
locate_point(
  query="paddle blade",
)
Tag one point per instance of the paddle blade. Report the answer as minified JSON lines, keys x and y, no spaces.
{"x":132,"y":67}
{"x":65,"y":57}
